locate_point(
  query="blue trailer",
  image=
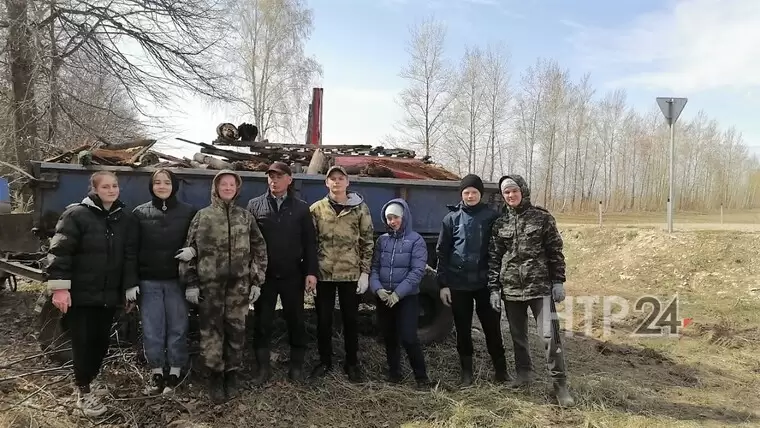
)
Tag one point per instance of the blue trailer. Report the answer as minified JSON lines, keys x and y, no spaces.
{"x":5,"y":196}
{"x":58,"y":185}
{"x":61,"y":184}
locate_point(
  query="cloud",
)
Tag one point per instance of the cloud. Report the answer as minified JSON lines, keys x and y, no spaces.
{"x":692,"y":45}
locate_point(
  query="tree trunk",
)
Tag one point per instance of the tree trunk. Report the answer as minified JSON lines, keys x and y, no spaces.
{"x":55,"y":67}
{"x":23,"y":102}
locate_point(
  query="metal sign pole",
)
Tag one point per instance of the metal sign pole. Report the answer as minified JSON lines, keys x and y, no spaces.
{"x":671,"y":109}
{"x":670,"y":173}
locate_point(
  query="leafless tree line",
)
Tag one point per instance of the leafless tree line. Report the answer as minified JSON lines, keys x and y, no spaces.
{"x":576,"y":147}
{"x":77,"y":70}
{"x":274,"y":74}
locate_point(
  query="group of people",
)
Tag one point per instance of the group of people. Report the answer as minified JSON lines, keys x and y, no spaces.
{"x":225,"y":258}
{"x":512,"y":260}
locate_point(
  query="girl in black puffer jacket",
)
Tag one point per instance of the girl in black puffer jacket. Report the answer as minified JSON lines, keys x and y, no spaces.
{"x":163,"y":228}
{"x":91,"y":261}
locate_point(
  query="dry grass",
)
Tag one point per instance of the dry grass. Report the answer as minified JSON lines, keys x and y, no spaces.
{"x":743,"y":217}
{"x":709,"y":376}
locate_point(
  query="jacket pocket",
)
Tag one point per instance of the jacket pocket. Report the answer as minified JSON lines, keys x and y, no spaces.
{"x":533,"y":241}
{"x":506,"y":233}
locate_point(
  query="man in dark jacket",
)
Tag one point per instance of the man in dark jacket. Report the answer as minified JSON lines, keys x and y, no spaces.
{"x":164,"y":222}
{"x":285,"y":222}
{"x":463,"y":275}
{"x":527,"y":270}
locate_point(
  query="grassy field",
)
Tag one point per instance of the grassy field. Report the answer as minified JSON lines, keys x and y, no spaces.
{"x":683,"y":220}
{"x":709,"y":375}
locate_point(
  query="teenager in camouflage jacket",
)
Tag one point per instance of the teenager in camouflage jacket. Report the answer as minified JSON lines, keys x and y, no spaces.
{"x":345,"y":242}
{"x":526,"y":268}
{"x":223,"y":278}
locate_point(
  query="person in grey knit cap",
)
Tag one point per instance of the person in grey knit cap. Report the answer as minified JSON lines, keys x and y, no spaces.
{"x":527,"y":270}
{"x":462,"y":252}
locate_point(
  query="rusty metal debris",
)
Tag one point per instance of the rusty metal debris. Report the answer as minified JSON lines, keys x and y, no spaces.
{"x":363,"y":160}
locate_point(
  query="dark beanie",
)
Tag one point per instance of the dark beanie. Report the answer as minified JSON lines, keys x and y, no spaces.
{"x":472,"y":180}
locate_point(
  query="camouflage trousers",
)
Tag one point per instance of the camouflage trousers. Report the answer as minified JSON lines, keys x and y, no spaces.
{"x":222,"y":312}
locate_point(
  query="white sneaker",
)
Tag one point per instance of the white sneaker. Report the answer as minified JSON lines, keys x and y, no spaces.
{"x":90,"y":404}
{"x":99,"y":388}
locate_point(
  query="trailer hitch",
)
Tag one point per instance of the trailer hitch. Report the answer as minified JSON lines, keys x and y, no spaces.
{"x":10,"y":279}
{"x":13,"y":268}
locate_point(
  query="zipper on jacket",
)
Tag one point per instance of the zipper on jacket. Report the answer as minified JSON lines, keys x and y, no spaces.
{"x":229,"y":244}
{"x":390,"y":274}
{"x":109,"y":245}
{"x":519,"y":255}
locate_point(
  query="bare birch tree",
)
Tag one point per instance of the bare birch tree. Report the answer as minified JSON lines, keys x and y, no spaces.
{"x":528,"y":114}
{"x":277,"y":73}
{"x":149,"y":48}
{"x":425,"y":101}
{"x":467,"y":117}
{"x":497,"y":98}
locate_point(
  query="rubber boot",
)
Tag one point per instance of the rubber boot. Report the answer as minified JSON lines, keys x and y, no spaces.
{"x":265,"y":368}
{"x":521,"y":380}
{"x":564,"y":399}
{"x":296,"y":365}
{"x":466,"y":373}
{"x":216,"y":387}
{"x":354,"y":373}
{"x":231,"y":384}
{"x":500,"y":369}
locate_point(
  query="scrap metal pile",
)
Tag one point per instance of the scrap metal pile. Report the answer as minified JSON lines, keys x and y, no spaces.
{"x":231,"y":151}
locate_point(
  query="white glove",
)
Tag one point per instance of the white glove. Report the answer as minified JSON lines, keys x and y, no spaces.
{"x":257,"y":277}
{"x":446,"y":296}
{"x":254,"y":295}
{"x":495,"y":301}
{"x":392,"y":299}
{"x":132,"y":293}
{"x":558,"y":292}
{"x":185,"y":254}
{"x":383,"y":294}
{"x":363,"y":284}
{"x":192,"y":294}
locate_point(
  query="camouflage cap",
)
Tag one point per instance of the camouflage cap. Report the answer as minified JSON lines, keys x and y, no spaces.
{"x":336,"y":168}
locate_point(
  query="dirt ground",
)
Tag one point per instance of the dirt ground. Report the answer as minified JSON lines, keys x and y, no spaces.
{"x":708,"y":374}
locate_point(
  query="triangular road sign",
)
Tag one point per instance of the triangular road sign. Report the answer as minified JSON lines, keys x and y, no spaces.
{"x":671,"y":107}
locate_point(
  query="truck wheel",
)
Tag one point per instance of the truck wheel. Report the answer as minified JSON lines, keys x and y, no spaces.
{"x":435,"y":318}
{"x":53,"y":335}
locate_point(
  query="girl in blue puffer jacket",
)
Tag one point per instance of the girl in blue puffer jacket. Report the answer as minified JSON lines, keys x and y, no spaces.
{"x":398,"y":266}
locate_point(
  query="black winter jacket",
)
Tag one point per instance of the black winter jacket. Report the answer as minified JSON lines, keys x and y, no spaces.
{"x":163,"y":229}
{"x":289,"y":234}
{"x":462,"y":247}
{"x":95,"y":251}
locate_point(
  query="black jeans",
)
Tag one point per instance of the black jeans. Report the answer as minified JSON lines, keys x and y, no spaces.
{"x":291,"y":292}
{"x":90,"y":331}
{"x":461,"y":306}
{"x":545,"y":313}
{"x":399,"y":324}
{"x":349,"y":309}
